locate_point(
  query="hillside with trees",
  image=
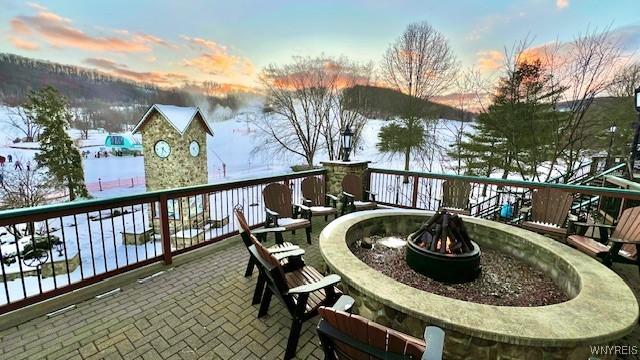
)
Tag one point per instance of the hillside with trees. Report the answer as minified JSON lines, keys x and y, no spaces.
{"x":386,"y":103}
{"x":19,"y":75}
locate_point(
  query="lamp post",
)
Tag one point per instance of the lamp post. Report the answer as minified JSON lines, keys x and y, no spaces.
{"x":347,"y":137}
{"x":612,"y":132}
{"x":635,"y":152}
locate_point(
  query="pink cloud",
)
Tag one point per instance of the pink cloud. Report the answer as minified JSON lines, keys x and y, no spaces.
{"x":490,"y":60}
{"x":122,"y":70}
{"x":59,"y":32}
{"x":23,"y":44}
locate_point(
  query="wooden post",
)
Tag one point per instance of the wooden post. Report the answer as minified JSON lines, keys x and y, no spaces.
{"x":414,"y":196}
{"x":164,"y":227}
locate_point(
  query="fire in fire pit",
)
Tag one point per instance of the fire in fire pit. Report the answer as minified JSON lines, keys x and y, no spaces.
{"x":442,"y":250}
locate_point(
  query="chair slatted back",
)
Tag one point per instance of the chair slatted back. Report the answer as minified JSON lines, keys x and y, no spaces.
{"x":277,"y":197}
{"x":368,"y":332}
{"x":352,"y":184}
{"x":550,"y":206}
{"x":628,"y":228}
{"x":313,"y":190}
{"x":245,"y":230}
{"x":455,"y":194}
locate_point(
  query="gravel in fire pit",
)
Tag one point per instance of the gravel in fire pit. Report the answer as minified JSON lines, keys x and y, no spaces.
{"x":504,"y":280}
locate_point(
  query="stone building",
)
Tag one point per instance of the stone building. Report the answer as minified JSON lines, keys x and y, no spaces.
{"x":174,"y":141}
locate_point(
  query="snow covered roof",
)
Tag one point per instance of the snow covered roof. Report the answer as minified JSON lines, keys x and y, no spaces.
{"x":180,"y":117}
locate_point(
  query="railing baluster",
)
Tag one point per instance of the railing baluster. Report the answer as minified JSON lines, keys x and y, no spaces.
{"x":164,"y":231}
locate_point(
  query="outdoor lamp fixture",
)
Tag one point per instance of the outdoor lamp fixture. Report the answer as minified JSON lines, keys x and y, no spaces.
{"x":612,"y":131}
{"x":635,"y":152}
{"x":347,"y":137}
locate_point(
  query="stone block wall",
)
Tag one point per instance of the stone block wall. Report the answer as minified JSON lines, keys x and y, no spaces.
{"x":336,"y":170}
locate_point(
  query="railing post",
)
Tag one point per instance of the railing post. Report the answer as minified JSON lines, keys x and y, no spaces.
{"x":414,"y":196}
{"x":164,"y":230}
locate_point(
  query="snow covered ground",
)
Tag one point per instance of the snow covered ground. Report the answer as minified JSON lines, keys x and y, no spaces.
{"x":99,"y":242}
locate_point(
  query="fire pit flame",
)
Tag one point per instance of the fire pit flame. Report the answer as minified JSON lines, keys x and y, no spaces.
{"x":442,"y":249}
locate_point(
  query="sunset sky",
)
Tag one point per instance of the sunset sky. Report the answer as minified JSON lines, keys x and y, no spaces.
{"x":167,"y":42}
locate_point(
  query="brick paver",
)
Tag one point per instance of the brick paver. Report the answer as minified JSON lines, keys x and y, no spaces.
{"x":200,"y":310}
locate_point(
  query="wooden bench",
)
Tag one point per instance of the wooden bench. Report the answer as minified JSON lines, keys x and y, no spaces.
{"x":302,"y":291}
{"x":354,"y":196}
{"x":348,"y":336}
{"x":622,"y":246}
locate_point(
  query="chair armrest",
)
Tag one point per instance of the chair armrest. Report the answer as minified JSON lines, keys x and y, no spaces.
{"x":349,"y":195}
{"x":302,"y":207}
{"x":307,"y":202}
{"x":434,"y":343}
{"x":625,"y":241}
{"x":268,"y":230}
{"x":332,"y":197}
{"x":283,"y":249}
{"x":283,"y":255}
{"x":370,"y":193}
{"x":327,"y":281}
{"x":604,"y":226}
{"x":344,"y":303}
{"x":271,"y":212}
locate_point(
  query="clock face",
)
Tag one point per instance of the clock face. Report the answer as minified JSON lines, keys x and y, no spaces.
{"x":194,"y":148}
{"x":162,"y":149}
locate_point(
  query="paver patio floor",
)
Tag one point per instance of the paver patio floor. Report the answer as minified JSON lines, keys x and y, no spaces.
{"x":199,"y":310}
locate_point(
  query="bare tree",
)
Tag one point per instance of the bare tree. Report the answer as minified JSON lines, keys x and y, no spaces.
{"x":307,"y":105}
{"x":626,"y":81}
{"x":420,"y":64}
{"x":585,"y":67}
{"x":24,"y":124}
{"x":349,"y":102}
{"x":25,"y":188}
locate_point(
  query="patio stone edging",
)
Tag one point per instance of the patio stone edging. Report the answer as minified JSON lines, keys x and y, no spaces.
{"x":602,"y":308}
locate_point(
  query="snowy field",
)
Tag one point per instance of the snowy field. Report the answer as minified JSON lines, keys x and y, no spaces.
{"x":96,"y":238}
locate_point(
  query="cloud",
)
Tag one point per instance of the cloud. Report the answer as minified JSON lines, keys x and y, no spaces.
{"x":488,"y":23}
{"x":22,"y":44}
{"x":202,"y":44}
{"x":490,"y":60}
{"x":60,"y":32}
{"x":122,"y":70}
{"x":221,"y":64}
{"x":561,"y":4}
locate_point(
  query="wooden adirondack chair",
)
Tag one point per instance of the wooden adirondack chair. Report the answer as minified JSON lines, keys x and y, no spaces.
{"x":455,"y":197}
{"x":349,"y":336}
{"x":319,"y":202}
{"x":289,"y":255}
{"x":549,"y":211}
{"x":261,"y":235}
{"x":622,"y":246}
{"x":354,"y":196}
{"x":281,"y":212}
{"x":301,"y":291}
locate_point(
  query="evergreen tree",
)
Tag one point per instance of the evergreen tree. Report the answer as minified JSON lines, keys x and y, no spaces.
{"x":520,"y":128}
{"x":58,"y":154}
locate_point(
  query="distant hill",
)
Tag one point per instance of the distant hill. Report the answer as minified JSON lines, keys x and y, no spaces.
{"x":19,"y":74}
{"x":385,"y":103}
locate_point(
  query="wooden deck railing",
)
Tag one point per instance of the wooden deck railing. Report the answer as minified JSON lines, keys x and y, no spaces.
{"x":97,"y":239}
{"x":422,"y":190}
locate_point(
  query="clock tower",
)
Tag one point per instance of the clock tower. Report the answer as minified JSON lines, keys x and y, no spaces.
{"x":174,"y":141}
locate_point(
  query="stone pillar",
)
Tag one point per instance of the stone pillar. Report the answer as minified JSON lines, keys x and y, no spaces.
{"x":336,"y":170}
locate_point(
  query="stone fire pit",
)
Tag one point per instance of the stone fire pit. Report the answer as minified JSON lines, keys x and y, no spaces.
{"x":601,"y":308}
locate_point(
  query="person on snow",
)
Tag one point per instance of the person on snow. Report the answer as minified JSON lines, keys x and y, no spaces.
{"x":18,"y":165}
